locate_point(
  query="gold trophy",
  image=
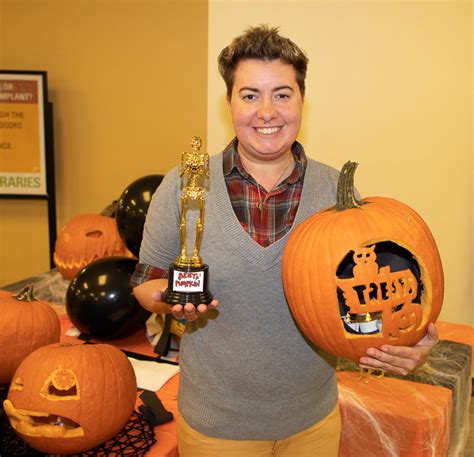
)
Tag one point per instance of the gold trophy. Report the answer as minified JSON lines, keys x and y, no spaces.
{"x":188,"y":276}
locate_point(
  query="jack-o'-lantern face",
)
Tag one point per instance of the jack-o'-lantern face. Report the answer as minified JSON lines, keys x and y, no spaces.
{"x":61,"y":385}
{"x":85,"y":238}
{"x":70,"y":398}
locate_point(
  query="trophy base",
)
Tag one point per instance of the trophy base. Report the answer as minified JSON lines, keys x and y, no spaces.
{"x":187,"y":285}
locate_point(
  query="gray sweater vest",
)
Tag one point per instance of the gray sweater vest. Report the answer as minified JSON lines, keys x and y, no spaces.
{"x":247,"y":373}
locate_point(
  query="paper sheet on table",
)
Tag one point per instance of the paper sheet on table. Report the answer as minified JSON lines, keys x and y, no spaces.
{"x":152,"y":375}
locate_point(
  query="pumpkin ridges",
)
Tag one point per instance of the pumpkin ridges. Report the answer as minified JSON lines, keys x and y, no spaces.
{"x":303,"y":278}
{"x":294,"y":292}
{"x":17,"y":347}
{"x":118,"y":381}
{"x":326,"y":244}
{"x":305,"y":314}
{"x":306,"y":274}
{"x":19,"y":320}
{"x":433,"y":252}
{"x":325,"y":254}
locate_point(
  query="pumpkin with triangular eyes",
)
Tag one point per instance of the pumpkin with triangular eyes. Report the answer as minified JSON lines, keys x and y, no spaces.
{"x":68,"y":398}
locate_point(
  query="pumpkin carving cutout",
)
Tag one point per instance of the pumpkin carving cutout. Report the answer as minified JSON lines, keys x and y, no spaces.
{"x":26,"y":324}
{"x":362,"y":274}
{"x":70,"y":398}
{"x":85,"y":238}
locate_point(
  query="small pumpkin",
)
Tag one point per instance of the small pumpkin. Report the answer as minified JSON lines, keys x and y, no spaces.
{"x":68,"y":398}
{"x":26,"y":324}
{"x":85,"y":238}
{"x":362,"y":274}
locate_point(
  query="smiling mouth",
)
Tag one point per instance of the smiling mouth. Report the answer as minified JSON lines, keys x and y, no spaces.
{"x":32,"y":423}
{"x":268,"y":130}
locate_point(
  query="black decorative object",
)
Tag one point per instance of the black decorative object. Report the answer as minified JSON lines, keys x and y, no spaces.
{"x":132,"y":208}
{"x":153,"y":409}
{"x":100,"y":300}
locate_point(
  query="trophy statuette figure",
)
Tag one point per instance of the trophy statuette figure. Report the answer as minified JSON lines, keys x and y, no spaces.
{"x":188,"y":276}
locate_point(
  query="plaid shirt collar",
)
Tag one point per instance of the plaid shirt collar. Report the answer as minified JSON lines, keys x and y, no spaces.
{"x":231,"y":162}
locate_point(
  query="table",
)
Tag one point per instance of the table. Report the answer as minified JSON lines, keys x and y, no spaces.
{"x":392,"y":416}
{"x":423,"y":414}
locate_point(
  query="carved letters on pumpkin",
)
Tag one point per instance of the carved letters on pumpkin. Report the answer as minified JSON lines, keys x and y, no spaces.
{"x":375,"y":293}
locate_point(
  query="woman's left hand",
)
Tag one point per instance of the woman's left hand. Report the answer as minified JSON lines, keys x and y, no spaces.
{"x":401,"y":359}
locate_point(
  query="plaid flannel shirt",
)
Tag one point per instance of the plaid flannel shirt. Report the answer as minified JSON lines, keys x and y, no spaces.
{"x":265,"y":223}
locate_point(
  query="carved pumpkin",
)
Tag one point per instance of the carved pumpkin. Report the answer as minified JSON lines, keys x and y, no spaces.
{"x":85,"y":238}
{"x":25,"y":325}
{"x":362,"y":274}
{"x":69,"y":398}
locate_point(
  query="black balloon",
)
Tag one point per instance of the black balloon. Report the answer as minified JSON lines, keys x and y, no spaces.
{"x":131,"y":210}
{"x":100,"y":300}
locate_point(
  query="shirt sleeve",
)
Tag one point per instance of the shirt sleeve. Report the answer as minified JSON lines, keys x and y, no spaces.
{"x":144,"y":273}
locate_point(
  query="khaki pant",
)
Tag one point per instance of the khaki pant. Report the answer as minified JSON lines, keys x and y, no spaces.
{"x":319,"y":440}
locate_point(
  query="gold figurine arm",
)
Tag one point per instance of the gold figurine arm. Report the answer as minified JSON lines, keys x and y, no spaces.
{"x":182,"y":165}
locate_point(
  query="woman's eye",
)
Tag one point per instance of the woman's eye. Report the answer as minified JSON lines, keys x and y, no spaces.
{"x":249,"y":97}
{"x":282,"y":96}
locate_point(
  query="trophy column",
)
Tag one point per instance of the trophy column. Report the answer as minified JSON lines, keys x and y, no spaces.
{"x":188,"y":277}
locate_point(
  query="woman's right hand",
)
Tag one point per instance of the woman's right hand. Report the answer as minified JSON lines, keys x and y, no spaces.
{"x":191,"y":312}
{"x":149,"y":293}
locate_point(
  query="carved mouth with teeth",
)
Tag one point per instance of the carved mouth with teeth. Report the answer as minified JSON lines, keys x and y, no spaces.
{"x":34,"y":423}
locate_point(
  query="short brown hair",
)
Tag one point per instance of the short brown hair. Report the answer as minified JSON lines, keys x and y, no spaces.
{"x":263,"y":43}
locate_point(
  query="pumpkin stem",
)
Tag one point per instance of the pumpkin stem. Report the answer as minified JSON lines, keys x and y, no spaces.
{"x":345,"y":197}
{"x":26,"y":294}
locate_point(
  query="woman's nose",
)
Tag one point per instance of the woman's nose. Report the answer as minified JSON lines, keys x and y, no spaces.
{"x":267,"y":111}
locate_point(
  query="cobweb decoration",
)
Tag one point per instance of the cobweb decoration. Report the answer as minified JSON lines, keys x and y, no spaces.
{"x":135,"y":439}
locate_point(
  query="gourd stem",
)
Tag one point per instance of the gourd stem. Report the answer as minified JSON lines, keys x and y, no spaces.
{"x":26,"y":294}
{"x":345,"y":197}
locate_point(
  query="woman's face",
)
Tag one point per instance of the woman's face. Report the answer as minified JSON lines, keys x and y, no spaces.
{"x":266,"y":105}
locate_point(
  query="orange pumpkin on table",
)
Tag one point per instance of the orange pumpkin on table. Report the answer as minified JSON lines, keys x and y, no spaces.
{"x":69,"y":398}
{"x":25,"y":325}
{"x":85,"y":238}
{"x":362,"y":274}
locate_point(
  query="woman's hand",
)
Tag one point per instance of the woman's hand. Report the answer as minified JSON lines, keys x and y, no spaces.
{"x":191,"y":312}
{"x":401,"y":359}
{"x":187,"y":311}
{"x":149,"y":296}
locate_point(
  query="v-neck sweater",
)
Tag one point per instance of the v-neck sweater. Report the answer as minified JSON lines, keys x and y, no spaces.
{"x":247,"y":372}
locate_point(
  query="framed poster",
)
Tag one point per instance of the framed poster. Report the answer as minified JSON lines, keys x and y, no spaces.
{"x":23,"y":126}
{"x":26,"y":142}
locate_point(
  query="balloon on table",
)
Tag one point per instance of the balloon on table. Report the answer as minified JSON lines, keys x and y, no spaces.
{"x":100,"y":300}
{"x":132,"y":208}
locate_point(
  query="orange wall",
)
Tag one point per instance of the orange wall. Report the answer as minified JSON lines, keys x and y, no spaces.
{"x":127,"y":79}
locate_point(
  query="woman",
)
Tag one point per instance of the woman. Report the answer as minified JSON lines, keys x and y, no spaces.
{"x":251,"y":384}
